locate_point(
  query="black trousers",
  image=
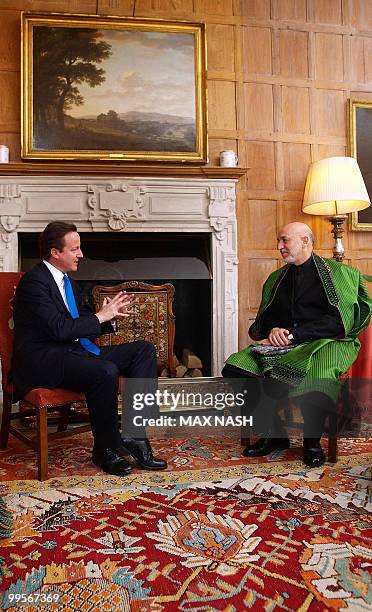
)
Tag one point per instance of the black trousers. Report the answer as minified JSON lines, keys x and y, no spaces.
{"x":97,"y":376}
{"x":263,"y":397}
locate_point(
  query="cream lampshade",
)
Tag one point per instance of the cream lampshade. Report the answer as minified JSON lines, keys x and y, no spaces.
{"x":335,"y":187}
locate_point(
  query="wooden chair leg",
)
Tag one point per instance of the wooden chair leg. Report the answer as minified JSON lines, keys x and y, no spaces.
{"x":332,"y":437}
{"x":5,"y":421}
{"x":42,"y":444}
{"x":64,"y":418}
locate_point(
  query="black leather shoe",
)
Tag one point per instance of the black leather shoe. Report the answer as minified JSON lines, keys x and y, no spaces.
{"x":313,"y":454}
{"x":264,"y":446}
{"x":109,"y":460}
{"x":141,"y":450}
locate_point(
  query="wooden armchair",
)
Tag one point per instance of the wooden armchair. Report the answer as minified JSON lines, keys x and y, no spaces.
{"x":152,"y":318}
{"x":37,"y":402}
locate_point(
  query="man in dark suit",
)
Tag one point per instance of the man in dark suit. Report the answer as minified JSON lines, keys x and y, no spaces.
{"x":52,"y":348}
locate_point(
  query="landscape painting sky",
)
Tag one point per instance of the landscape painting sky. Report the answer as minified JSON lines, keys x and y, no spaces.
{"x":146,"y":72}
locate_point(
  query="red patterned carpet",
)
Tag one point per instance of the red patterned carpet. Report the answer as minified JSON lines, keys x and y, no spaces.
{"x":72,"y":457}
{"x":215,"y":532}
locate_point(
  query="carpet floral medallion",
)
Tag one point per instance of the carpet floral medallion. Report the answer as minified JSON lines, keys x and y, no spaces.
{"x":214,"y":532}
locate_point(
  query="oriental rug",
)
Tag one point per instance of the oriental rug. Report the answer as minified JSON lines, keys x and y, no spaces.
{"x":215,"y":532}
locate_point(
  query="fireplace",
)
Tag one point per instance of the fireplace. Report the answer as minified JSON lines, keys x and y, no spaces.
{"x":189,"y":223}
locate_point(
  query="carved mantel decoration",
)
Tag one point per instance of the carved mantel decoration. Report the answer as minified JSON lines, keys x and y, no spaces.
{"x":132,"y":204}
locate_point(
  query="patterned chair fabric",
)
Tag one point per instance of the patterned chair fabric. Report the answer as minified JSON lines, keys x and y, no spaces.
{"x":37,"y":402}
{"x":152,"y":318}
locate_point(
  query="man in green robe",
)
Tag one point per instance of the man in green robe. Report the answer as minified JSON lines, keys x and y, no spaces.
{"x":311,"y":314}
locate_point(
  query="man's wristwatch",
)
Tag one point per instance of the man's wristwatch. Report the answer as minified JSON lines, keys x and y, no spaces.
{"x":290,"y":337}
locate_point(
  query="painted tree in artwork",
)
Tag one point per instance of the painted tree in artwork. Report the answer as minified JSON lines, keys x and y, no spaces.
{"x":63,"y":59}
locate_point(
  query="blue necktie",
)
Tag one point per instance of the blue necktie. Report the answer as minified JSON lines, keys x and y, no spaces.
{"x":71,"y":303}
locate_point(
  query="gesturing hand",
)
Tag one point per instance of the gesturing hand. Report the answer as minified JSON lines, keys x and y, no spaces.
{"x":116,"y":307}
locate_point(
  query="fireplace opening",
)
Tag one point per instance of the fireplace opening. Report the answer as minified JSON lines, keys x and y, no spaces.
{"x":183,"y":259}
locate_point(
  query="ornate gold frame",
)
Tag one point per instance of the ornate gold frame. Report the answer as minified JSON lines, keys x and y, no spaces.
{"x":354,"y":105}
{"x":194,"y":135}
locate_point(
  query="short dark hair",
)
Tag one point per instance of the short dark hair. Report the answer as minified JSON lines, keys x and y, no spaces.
{"x":53,"y":237}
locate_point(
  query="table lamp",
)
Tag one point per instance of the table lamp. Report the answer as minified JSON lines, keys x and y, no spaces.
{"x":335,"y":187}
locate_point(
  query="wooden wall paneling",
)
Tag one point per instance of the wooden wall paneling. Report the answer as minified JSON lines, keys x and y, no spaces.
{"x":214,"y":7}
{"x":329,"y":65}
{"x":357,"y":59}
{"x":291,"y":210}
{"x":361,"y":95}
{"x":289,"y":10}
{"x":220,"y":47}
{"x":258,"y":107}
{"x":327,"y":12}
{"x":293,"y":53}
{"x":9,"y":102}
{"x":278,"y":109}
{"x":240,"y":99}
{"x":52,"y":6}
{"x":313,"y":114}
{"x":244,"y":324}
{"x":252,"y":275}
{"x":330,"y":113}
{"x":9,"y":41}
{"x":167,"y":9}
{"x":361,"y":59}
{"x":116,"y":7}
{"x":244,"y":245}
{"x":257,"y":271}
{"x":361,"y":14}
{"x":256,"y":51}
{"x":296,"y":110}
{"x":311,"y":55}
{"x":256,"y":9}
{"x":322,"y":151}
{"x":261,"y":162}
{"x":237,"y":7}
{"x":279,"y":166}
{"x":221,"y":106}
{"x":275,"y":37}
{"x":297,"y":160}
{"x":361,"y":241}
{"x":242,"y":161}
{"x":364,"y":264}
{"x":260,"y":228}
{"x":348,"y":74}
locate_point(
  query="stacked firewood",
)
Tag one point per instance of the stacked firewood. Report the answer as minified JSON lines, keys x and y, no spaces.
{"x":189,"y":367}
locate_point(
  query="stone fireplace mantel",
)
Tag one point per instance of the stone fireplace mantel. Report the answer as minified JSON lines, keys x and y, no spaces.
{"x":122,"y":204}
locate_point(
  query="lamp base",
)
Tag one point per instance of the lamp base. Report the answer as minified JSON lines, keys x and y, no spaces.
{"x":338,"y":232}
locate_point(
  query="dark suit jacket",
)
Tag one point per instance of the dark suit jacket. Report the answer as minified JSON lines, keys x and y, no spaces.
{"x":45,"y":332}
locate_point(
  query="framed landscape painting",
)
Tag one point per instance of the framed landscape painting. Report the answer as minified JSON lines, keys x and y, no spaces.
{"x":98,"y":88}
{"x":360,"y":143}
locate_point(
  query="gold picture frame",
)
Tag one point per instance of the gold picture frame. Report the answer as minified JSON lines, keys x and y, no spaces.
{"x":360,"y":147}
{"x":110,"y":88}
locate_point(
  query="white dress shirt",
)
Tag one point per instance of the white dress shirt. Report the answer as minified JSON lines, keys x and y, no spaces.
{"x":58,"y":277}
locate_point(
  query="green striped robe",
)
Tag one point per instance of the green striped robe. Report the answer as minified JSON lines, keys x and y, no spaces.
{"x":315,"y":365}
